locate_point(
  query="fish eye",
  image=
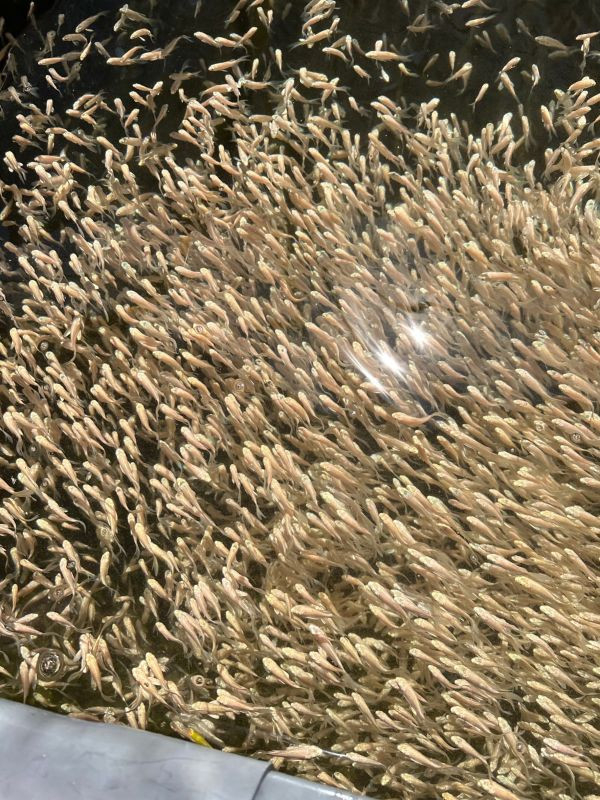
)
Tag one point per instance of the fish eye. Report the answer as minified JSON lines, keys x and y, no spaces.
{"x":43,"y":346}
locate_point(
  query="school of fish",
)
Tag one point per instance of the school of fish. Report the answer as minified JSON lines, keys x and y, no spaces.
{"x":300,"y":391}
